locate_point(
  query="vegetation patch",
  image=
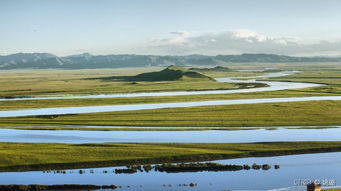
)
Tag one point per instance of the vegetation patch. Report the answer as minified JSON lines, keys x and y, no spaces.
{"x":103,"y":128}
{"x":30,"y":83}
{"x":42,"y":156}
{"x":21,"y":104}
{"x":306,"y":113}
{"x":171,"y":73}
{"x":191,"y":167}
{"x":214,"y":69}
{"x":38,"y":187}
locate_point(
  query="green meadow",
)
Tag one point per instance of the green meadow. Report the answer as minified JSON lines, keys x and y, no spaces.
{"x":312,"y":113}
{"x":74,"y":82}
{"x":45,"y":156}
{"x":14,"y":104}
{"x":308,"y":113}
{"x":84,"y":128}
{"x":331,"y":78}
{"x":38,"y":156}
{"x":26,"y":83}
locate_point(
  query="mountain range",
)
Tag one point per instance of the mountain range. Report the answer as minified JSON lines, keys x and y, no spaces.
{"x":89,"y":61}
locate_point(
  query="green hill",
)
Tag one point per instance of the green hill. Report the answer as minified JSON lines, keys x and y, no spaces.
{"x":171,"y":73}
{"x":214,"y":69}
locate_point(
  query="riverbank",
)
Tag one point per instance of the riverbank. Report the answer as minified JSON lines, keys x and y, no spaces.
{"x":241,"y":88}
{"x":41,"y":156}
{"x":66,"y":187}
{"x":142,"y":128}
{"x":28,"y":83}
{"x":51,"y":103}
{"x":320,"y":113}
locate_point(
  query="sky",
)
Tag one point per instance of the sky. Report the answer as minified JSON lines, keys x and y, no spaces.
{"x":171,"y":27}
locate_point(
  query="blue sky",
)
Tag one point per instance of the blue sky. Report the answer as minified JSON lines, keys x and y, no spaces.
{"x":177,"y":27}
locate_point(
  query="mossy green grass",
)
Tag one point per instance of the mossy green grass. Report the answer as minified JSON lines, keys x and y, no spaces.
{"x":38,"y":156}
{"x":307,"y":113}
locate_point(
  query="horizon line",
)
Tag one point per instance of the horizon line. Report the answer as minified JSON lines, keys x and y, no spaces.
{"x":132,"y":54}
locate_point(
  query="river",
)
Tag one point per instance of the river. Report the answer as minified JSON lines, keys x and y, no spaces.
{"x":211,"y":136}
{"x":294,"y":168}
{"x":272,"y":86}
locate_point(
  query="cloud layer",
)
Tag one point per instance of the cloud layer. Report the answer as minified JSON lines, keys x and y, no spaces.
{"x":241,"y":41}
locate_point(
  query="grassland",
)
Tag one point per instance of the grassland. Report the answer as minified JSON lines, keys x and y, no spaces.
{"x":286,"y":114}
{"x":60,"y":82}
{"x":23,"y":83}
{"x":26,"y":83}
{"x":13,"y":105}
{"x":311,"y":113}
{"x":287,"y":66}
{"x":102,"y":128}
{"x":332,"y":78}
{"x":34,"y":156}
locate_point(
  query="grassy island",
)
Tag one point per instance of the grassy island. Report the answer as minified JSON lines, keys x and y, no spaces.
{"x":40,"y":156}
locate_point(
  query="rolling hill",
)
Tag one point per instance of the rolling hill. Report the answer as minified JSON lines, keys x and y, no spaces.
{"x":171,"y":73}
{"x":214,"y":69}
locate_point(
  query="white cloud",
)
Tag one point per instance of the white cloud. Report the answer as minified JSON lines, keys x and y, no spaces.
{"x":240,"y":41}
{"x":248,"y":35}
{"x":182,"y":33}
{"x":2,"y":52}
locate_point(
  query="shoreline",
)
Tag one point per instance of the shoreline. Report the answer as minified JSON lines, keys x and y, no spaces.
{"x":150,"y":128}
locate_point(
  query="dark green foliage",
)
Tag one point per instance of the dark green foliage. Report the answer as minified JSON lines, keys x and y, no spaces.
{"x":125,"y":171}
{"x":190,"y":167}
{"x":196,"y":167}
{"x":37,"y":187}
{"x":44,"y":156}
{"x":171,"y":73}
{"x":214,"y":69}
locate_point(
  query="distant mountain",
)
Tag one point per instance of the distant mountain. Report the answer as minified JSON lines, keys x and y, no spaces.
{"x":89,"y":61}
{"x":35,"y":60}
{"x":272,"y":58}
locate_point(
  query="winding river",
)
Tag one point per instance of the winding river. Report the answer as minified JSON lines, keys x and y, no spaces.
{"x":293,"y":167}
{"x":134,"y":107}
{"x":110,"y":108}
{"x":272,"y":86}
{"x":211,"y":136}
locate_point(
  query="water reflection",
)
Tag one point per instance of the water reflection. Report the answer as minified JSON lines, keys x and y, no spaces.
{"x":134,"y":107}
{"x":320,"y":166}
{"x":212,"y":136}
